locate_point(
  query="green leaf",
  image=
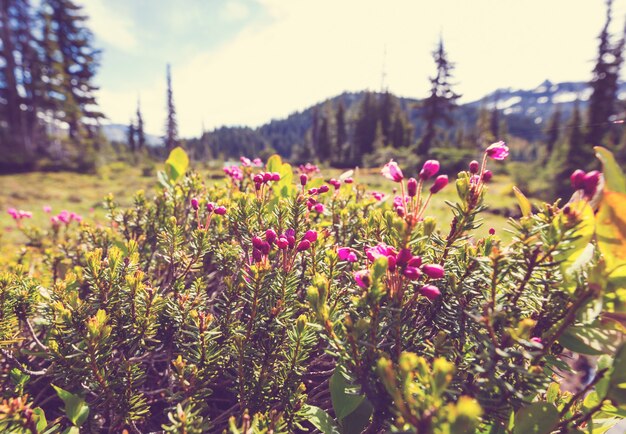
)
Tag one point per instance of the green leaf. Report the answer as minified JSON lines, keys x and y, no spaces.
{"x":523,"y":202}
{"x":537,"y":418}
{"x":76,"y":409}
{"x":590,"y":340}
{"x":176,"y":164}
{"x":618,"y":377}
{"x":584,"y":233}
{"x":344,"y":400}
{"x":355,"y":422}
{"x":320,"y":419}
{"x":613,"y":175}
{"x":285,"y":187}
{"x":611,"y":229}
{"x":40,"y":417}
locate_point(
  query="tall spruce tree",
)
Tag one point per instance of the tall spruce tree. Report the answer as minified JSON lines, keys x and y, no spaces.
{"x":77,"y":61}
{"x":604,"y":83}
{"x":341,"y":133}
{"x":171,"y":125}
{"x":365,"y":127}
{"x":131,"y":139}
{"x":438,"y":107}
{"x":141,"y":136}
{"x":553,"y":130}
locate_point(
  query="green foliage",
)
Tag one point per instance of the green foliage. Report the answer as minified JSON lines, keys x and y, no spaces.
{"x":168,"y":317}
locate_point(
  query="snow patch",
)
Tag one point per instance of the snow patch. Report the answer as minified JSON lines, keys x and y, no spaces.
{"x":542,"y":99}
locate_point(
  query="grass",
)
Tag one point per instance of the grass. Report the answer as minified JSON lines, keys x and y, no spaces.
{"x":84,"y":195}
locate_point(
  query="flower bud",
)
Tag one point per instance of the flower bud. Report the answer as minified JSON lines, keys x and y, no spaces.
{"x":474,"y":166}
{"x":270,"y":236}
{"x":303,"y":245}
{"x":401,"y":211}
{"x":258,"y":178}
{"x":257,"y":256}
{"x":429,"y":169}
{"x":257,"y":241}
{"x":487,"y":175}
{"x":415,"y":261}
{"x":497,"y":151}
{"x":310,"y":235}
{"x":577,"y":179}
{"x":440,"y":182}
{"x":267,"y":177}
{"x":324,"y":188}
{"x":304,"y":179}
{"x":391,"y":263}
{"x":210,"y":206}
{"x":275,"y":176}
{"x":590,"y":183}
{"x":348,"y":180}
{"x":220,"y":210}
{"x":195,"y":203}
{"x":282,"y":243}
{"x":403,"y":257}
{"x":412,"y":187}
{"x":434,"y":271}
{"x":362,"y":278}
{"x":412,"y":273}
{"x":313,"y":191}
{"x":431,"y":292}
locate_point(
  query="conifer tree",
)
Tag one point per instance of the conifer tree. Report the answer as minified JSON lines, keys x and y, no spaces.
{"x":324,"y":141}
{"x":604,"y":84}
{"x":552,"y":130}
{"x":437,"y":108}
{"x":365,"y":126}
{"x":130,"y":138}
{"x":73,"y":50}
{"x":341,"y":132}
{"x":141,"y":136}
{"x":171,"y":125}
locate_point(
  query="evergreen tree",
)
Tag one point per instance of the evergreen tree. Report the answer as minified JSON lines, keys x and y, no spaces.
{"x":552,"y":130}
{"x":365,"y":127}
{"x":324,"y":141}
{"x":604,"y":84}
{"x":171,"y":126}
{"x":437,"y":108}
{"x":483,"y":131}
{"x":130,"y":138}
{"x":75,"y":61}
{"x":341,"y":135}
{"x":141,"y":136}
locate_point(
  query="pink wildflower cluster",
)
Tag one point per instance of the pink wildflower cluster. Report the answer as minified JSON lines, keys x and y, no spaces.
{"x":312,"y":203}
{"x":409,"y":204}
{"x":211,"y":208}
{"x":261,"y":182}
{"x":308,"y":169}
{"x":234,"y":172}
{"x":586,"y":182}
{"x":65,"y":217}
{"x":401,"y":264}
{"x":285,"y":243}
{"x":246,"y":162}
{"x":19,"y":214}
{"x":378,"y":195}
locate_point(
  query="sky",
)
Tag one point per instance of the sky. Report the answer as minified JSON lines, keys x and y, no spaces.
{"x":245,"y":62}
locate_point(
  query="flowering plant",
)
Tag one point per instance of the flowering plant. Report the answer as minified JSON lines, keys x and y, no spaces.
{"x":275,"y":303}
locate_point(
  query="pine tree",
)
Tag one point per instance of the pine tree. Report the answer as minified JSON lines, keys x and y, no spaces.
{"x":130,"y":137}
{"x":365,"y":127}
{"x":552,"y":130}
{"x":604,"y":84}
{"x":341,"y":135}
{"x":324,"y":141}
{"x":141,"y":136}
{"x":171,"y":126}
{"x":437,"y":108}
{"x":78,"y":59}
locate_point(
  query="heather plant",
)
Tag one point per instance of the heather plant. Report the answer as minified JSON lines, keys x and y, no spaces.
{"x":283,"y":301}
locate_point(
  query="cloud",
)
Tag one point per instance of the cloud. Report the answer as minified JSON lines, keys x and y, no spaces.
{"x":234,"y":10}
{"x":111,"y":26}
{"x":306,"y":51}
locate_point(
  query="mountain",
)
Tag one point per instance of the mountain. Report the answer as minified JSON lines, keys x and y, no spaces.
{"x":119,"y":133}
{"x":525,"y":111}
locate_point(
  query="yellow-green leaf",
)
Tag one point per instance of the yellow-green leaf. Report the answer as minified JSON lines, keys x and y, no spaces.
{"x":523,"y":202}
{"x":611,"y":229}
{"x":176,"y":164}
{"x":613,"y":176}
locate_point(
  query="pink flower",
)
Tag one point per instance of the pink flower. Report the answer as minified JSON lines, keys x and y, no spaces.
{"x":429,"y":169}
{"x":257,"y":162}
{"x":304,"y":179}
{"x":195,"y":203}
{"x":335,"y":183}
{"x":346,"y":254}
{"x":412,"y":273}
{"x":431,"y":292}
{"x":47,"y":209}
{"x":220,"y":210}
{"x":309,"y":168}
{"x":434,"y":271}
{"x":536,"y":340}
{"x":497,"y":151}
{"x":590,"y":183}
{"x":319,"y":207}
{"x":348,"y":180}
{"x":245,"y":162}
{"x":440,"y":182}
{"x":310,"y":235}
{"x":234,"y":172}
{"x":474,"y":167}
{"x":411,"y":187}
{"x":282,"y":243}
{"x":392,"y":171}
{"x":15,"y":214}
{"x":379,"y":250}
{"x":492,"y":231}
{"x":487,"y":175}
{"x":362,"y":278}
{"x":303,"y":245}
{"x":324,"y":188}
{"x":577,"y":179}
{"x":378,"y":196}
{"x":210,"y":206}
{"x":275,"y":176}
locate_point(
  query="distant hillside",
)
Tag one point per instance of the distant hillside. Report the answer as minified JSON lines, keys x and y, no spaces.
{"x":525,"y":112}
{"x":119,"y":133}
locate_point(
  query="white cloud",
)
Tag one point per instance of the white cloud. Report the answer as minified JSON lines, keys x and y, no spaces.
{"x":110,"y":25}
{"x":234,"y":10}
{"x":311,"y":50}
